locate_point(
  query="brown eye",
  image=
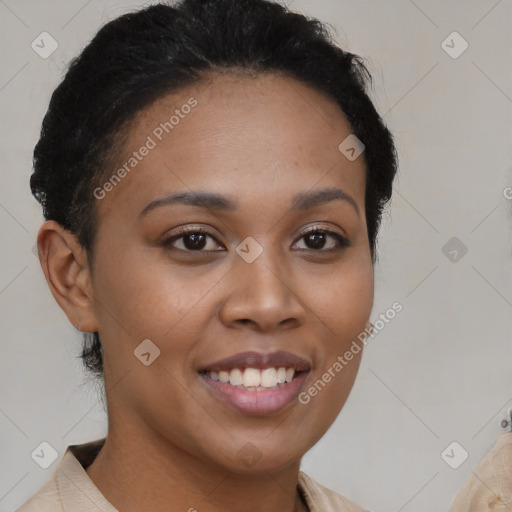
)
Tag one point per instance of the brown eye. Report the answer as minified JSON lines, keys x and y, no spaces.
{"x":195,"y":239}
{"x":317,"y":239}
{"x":198,"y":240}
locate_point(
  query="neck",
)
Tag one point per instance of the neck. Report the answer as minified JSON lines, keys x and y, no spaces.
{"x":156,"y":475}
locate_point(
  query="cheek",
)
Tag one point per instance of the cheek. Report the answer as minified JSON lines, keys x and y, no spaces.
{"x":144,"y":296}
{"x":159,"y":302}
{"x":344,"y":308}
{"x":343,"y":305}
{"x":343,"y":300}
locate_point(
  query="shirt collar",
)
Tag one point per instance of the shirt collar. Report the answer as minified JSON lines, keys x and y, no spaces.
{"x":78,"y":491}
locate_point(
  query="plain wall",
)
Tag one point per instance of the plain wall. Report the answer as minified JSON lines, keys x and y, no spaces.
{"x":439,"y":372}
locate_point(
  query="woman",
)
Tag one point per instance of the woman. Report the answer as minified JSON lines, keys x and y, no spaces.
{"x":213,"y":177}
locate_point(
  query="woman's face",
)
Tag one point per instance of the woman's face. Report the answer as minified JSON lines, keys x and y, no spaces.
{"x":246,"y":278}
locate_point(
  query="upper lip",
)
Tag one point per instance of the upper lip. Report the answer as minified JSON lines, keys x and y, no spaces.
{"x":259,"y":360}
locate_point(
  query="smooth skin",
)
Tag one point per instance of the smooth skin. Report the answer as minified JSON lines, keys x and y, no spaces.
{"x":171,"y":444}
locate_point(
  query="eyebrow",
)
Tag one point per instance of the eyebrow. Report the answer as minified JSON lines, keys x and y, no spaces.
{"x":218,"y":202}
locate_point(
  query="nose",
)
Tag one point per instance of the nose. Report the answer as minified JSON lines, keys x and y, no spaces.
{"x":262,"y":296}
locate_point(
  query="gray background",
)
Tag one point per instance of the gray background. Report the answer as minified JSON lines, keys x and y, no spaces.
{"x":439,"y":372}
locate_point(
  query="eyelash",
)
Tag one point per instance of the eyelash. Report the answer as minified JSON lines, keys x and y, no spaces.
{"x":342,"y":242}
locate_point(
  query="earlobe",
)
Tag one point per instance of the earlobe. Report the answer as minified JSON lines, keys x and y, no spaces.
{"x":65,"y":266}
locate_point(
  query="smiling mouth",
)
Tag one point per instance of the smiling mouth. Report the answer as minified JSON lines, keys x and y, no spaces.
{"x":255,"y":379}
{"x":257,"y":383}
{"x":255,"y":391}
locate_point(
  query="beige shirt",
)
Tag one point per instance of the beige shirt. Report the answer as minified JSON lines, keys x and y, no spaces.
{"x":71,"y":490}
{"x":490,"y":486}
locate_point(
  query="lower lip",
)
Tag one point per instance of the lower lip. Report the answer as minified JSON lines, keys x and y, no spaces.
{"x":256,"y":402}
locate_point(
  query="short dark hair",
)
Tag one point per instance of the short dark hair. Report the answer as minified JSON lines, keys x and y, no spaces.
{"x":137,"y":58}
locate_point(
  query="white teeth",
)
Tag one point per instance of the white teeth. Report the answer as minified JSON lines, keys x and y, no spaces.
{"x":269,"y":378}
{"x":236,"y":378}
{"x":252,"y":377}
{"x":255,"y":379}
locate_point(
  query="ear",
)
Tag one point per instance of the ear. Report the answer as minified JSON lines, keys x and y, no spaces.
{"x":65,"y":266}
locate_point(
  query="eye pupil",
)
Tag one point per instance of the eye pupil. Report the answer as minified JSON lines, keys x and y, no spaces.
{"x":197,"y":239}
{"x":318,"y":240}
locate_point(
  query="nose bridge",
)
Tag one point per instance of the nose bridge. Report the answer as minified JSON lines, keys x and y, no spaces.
{"x":261,"y":291}
{"x":263,"y":277}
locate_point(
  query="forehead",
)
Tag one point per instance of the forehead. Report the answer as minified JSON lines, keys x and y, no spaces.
{"x":255,"y":137}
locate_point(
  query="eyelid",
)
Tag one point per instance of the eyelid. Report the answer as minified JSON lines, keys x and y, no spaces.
{"x":319,"y":227}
